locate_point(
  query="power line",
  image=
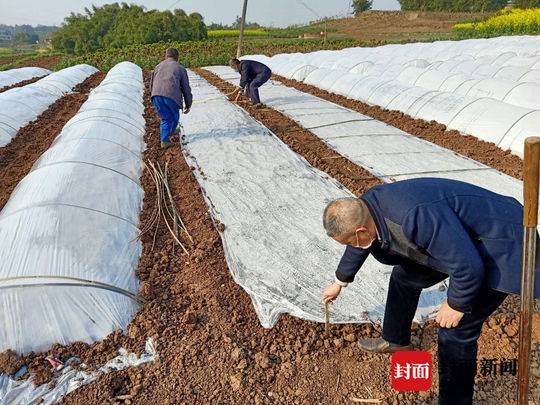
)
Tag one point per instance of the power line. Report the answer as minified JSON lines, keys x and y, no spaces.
{"x":309,"y":8}
{"x":174,"y":4}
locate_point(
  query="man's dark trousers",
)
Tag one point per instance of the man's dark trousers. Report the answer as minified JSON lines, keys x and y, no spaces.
{"x":457,"y":346}
{"x":253,"y":86}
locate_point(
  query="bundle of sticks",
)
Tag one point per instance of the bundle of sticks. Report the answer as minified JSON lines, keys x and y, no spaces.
{"x":165,"y":208}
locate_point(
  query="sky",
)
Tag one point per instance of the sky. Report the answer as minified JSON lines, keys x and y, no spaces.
{"x":279,"y":13}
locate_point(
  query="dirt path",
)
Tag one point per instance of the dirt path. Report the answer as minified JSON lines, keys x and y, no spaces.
{"x":434,"y":132}
{"x":18,"y":157}
{"x":20,"y":84}
{"x":211,"y":346}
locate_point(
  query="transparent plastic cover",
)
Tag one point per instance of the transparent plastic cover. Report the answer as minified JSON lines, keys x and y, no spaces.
{"x":21,"y":105}
{"x":68,"y":234}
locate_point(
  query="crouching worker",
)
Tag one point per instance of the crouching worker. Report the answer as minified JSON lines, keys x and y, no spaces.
{"x":169,"y":87}
{"x":253,"y":75}
{"x":431,"y":229}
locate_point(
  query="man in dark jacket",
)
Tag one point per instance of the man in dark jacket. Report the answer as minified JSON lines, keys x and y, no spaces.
{"x":432,"y":229}
{"x":169,"y":87}
{"x":253,"y":75}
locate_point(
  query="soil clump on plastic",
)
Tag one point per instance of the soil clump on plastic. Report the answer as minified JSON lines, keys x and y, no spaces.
{"x":20,"y":84}
{"x":10,"y":362}
{"x":484,"y":152}
{"x":211,"y":346}
{"x":18,"y":156}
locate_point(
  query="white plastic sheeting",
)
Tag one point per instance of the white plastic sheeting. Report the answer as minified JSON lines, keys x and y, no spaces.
{"x":271,"y":202}
{"x":68,"y":234}
{"x":483,"y":87}
{"x":384,"y":150}
{"x":21,"y":105}
{"x":24,"y":392}
{"x":14,"y":76}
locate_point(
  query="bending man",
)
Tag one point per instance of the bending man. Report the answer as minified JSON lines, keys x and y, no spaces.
{"x":429,"y":230}
{"x":169,"y":87}
{"x":253,"y":75}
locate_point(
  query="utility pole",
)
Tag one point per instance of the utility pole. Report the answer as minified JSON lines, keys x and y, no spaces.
{"x":242,"y":25}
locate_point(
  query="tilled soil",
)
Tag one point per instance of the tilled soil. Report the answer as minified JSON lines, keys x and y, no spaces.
{"x":47,"y":62}
{"x":399,"y":25}
{"x":18,"y":156}
{"x":484,"y":152}
{"x":211,"y":346}
{"x":20,"y":84}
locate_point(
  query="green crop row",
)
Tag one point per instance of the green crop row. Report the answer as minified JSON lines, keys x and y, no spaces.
{"x":201,"y":53}
{"x":236,"y":33}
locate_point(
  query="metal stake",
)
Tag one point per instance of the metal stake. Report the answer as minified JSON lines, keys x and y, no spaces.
{"x":530,"y":221}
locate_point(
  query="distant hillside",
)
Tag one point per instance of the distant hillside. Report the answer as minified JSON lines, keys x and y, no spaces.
{"x":399,"y":25}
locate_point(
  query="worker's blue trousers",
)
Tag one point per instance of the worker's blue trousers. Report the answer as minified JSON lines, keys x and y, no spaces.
{"x":169,"y":112}
{"x":457,"y":347}
{"x":252,"y":88}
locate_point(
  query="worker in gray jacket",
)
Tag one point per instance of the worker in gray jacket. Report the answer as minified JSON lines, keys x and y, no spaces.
{"x":169,"y":87}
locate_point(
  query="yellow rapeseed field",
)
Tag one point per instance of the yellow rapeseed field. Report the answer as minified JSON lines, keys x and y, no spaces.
{"x":507,"y":22}
{"x":236,"y":33}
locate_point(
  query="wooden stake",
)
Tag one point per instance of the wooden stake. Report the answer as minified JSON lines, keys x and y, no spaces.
{"x":530,"y":221}
{"x":327,"y":318}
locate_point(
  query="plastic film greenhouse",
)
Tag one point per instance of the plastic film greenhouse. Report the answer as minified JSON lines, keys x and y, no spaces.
{"x":13,"y":76}
{"x":482,"y":87}
{"x":69,"y":276}
{"x":26,"y":103}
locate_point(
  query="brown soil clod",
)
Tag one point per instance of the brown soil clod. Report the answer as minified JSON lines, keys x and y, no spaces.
{"x":10,"y":362}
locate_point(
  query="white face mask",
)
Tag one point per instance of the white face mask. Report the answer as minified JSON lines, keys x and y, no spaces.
{"x":358,"y":243}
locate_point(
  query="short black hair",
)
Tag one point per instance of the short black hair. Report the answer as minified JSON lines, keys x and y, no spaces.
{"x":234,"y":61}
{"x":172,"y":53}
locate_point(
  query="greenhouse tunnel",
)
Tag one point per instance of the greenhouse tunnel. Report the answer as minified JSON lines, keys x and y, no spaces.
{"x":69,"y":233}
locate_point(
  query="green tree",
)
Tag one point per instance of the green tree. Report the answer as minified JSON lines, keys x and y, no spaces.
{"x":359,"y":6}
{"x":119,"y":25}
{"x":23,"y":38}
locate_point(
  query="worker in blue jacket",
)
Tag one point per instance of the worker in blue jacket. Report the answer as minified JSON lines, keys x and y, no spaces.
{"x":253,"y":75}
{"x":431,"y":229}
